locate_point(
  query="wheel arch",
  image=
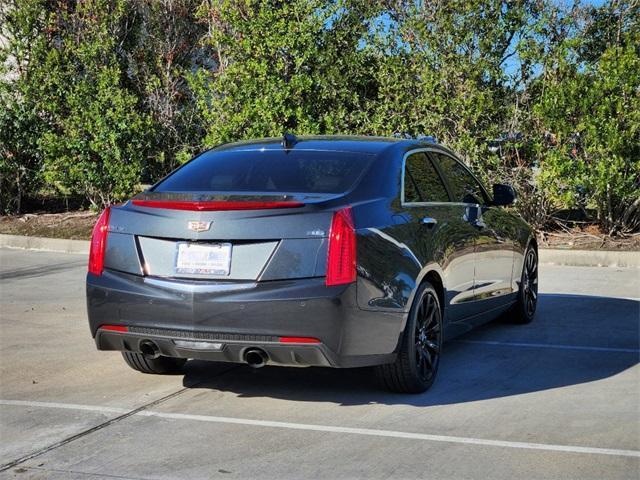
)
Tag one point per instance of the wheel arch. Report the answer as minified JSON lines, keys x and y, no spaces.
{"x":433,"y":274}
{"x":436,"y":281}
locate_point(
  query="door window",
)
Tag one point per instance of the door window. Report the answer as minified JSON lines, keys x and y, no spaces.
{"x":464,"y":187}
{"x":422,"y":183}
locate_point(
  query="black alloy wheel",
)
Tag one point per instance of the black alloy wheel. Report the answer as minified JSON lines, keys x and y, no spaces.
{"x":428,"y":337}
{"x":416,"y":365}
{"x":525,"y":307}
{"x":530,"y":282}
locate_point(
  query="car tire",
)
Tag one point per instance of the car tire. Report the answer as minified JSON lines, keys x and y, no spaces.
{"x":160,"y":365}
{"x":524,"y":309}
{"x":416,"y":365}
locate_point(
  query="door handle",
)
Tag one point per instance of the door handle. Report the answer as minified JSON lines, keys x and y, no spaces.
{"x":430,"y":222}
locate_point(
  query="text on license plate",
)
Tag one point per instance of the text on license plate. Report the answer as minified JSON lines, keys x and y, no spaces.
{"x":209,"y":259}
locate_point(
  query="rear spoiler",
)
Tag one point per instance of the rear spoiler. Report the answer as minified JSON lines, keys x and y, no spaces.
{"x":216,"y":205}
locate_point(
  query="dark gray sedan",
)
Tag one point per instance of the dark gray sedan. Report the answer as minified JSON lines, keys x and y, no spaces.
{"x":323,"y":251}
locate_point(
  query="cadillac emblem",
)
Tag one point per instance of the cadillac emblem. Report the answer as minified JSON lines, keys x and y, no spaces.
{"x":199,"y":226}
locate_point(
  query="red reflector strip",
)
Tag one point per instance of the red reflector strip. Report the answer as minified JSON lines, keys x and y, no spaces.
{"x":215,"y":205}
{"x":299,"y":340}
{"x":115,"y":328}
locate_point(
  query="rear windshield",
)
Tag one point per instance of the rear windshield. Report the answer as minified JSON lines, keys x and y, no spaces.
{"x":298,"y":171}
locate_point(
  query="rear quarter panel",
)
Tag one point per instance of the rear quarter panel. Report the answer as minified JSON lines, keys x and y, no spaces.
{"x":390,"y":262}
{"x":394,"y":256}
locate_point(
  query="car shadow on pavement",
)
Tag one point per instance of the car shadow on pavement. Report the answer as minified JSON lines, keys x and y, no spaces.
{"x":495,"y":360}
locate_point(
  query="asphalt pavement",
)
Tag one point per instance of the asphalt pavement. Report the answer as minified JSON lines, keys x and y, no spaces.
{"x":559,"y":398}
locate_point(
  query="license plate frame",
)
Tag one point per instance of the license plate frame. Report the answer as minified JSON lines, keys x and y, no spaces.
{"x":203,"y":259}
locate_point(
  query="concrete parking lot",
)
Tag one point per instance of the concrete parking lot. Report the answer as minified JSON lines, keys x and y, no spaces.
{"x":559,"y":398}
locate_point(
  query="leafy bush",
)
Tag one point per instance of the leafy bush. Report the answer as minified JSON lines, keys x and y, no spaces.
{"x":97,"y":147}
{"x":20,"y":125}
{"x":74,"y":121}
{"x":280,"y":66}
{"x":594,"y":156}
{"x":20,"y":159}
{"x":162,"y":49}
{"x":97,"y":96}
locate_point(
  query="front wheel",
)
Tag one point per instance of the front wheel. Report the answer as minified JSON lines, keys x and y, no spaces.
{"x":525,"y":307}
{"x":416,"y":366}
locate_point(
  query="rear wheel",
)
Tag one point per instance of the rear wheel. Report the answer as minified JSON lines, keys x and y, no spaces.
{"x":525,"y":307}
{"x":159,"y":365}
{"x":416,"y":366}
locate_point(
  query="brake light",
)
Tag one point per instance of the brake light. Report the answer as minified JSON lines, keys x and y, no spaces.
{"x":115,"y":328}
{"x":99,"y":243}
{"x":341,"y":258}
{"x":214,"y":205}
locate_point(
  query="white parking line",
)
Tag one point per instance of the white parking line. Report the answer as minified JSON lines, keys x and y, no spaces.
{"x":550,"y":345}
{"x":336,"y":429}
{"x":67,"y":406}
{"x":582,"y":295}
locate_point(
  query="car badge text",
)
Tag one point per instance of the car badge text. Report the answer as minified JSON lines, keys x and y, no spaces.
{"x":199,"y":226}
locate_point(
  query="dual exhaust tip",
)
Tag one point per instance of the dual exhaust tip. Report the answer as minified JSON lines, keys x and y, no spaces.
{"x":254,"y":357}
{"x":149,"y":349}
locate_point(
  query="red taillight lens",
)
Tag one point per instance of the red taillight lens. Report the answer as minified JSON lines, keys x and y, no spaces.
{"x":341,"y":259}
{"x":99,"y":243}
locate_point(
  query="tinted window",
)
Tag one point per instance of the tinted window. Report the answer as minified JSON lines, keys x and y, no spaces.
{"x":422,"y":182}
{"x":301,"y":171}
{"x":464,"y":187}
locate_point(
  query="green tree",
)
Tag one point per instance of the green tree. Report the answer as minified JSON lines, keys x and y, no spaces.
{"x":90,"y":134}
{"x":442,"y":71}
{"x":587,"y":104}
{"x":20,"y":126}
{"x":161,"y":51}
{"x":593,"y":115}
{"x":98,"y":135}
{"x":99,"y":95}
{"x":281,"y":66}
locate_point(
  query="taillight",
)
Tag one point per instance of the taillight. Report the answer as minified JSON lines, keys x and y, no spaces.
{"x":99,"y":243}
{"x":341,"y":258}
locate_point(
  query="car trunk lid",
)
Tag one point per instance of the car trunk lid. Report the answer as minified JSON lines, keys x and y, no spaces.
{"x":243,"y":237}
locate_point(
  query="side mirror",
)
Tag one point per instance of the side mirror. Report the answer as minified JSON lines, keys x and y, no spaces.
{"x":503,"y":194}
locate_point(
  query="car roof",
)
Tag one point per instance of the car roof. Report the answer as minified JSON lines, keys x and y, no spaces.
{"x":336,"y":143}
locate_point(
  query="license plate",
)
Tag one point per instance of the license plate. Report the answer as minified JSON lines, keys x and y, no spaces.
{"x":210,"y":259}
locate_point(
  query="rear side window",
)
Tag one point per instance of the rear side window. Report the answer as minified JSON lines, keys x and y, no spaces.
{"x":422,"y":183}
{"x":464,"y":187}
{"x":295,"y":171}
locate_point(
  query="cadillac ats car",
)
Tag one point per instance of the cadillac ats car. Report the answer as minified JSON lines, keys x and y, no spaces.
{"x":310,"y":251}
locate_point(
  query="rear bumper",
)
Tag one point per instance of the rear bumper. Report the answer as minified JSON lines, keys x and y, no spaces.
{"x":216,"y":347}
{"x":238,"y":316}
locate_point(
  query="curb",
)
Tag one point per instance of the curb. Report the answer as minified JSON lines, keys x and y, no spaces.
{"x":576,"y":258}
{"x":590,"y":258}
{"x":44,"y":244}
